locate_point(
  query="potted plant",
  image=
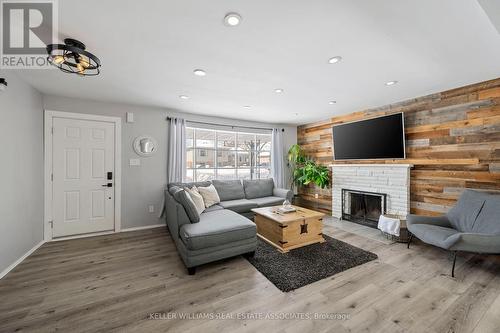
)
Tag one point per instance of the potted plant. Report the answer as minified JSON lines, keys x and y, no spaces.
{"x":304,"y":170}
{"x":296,"y":157}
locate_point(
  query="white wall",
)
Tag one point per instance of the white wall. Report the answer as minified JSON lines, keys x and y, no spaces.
{"x":143,"y":186}
{"x":21,"y":170}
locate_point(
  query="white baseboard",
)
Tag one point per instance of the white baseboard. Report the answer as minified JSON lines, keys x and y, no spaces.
{"x":144,"y":227}
{"x":93,"y":234}
{"x":18,"y":261}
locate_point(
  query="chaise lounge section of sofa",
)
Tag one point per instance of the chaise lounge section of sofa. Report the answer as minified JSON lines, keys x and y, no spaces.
{"x":225,"y":229}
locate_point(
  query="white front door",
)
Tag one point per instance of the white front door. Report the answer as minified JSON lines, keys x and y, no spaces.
{"x":83,"y":169}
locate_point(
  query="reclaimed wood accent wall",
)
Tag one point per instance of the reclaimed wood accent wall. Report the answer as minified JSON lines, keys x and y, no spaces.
{"x":452,"y":139}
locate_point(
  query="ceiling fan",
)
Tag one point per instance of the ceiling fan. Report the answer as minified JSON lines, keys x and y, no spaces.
{"x":71,"y":57}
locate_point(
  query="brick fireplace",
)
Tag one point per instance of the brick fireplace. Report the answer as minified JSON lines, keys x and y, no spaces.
{"x":361,"y":192}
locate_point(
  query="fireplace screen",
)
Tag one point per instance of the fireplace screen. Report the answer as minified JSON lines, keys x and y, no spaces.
{"x":363,"y":207}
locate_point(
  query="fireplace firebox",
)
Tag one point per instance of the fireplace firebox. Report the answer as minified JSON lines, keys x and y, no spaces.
{"x":363,"y":207}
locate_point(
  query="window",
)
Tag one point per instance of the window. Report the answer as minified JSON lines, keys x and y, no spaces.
{"x":214,"y":154}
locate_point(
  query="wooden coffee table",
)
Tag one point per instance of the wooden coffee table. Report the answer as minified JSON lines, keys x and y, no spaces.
{"x":291,"y":230}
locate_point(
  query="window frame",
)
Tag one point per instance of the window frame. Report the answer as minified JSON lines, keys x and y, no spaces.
{"x":254,"y":169}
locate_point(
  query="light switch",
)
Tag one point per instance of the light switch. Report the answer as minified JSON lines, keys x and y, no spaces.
{"x":134,"y":162}
{"x":130,"y":117}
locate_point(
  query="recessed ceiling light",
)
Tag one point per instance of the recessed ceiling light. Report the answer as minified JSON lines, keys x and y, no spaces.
{"x":296,"y":114}
{"x":247,"y":106}
{"x":391,"y":83}
{"x":334,"y":60}
{"x":199,"y":72}
{"x":278,"y":90}
{"x":332,"y":102}
{"x":232,"y":19}
{"x":183,"y":97}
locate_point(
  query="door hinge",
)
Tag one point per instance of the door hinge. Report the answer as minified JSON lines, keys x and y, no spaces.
{"x":51,"y":224}
{"x":51,"y":177}
{"x":52,"y":130}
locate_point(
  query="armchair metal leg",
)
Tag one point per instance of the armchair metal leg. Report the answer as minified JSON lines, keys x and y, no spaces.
{"x":453,"y":267}
{"x":409,"y":239}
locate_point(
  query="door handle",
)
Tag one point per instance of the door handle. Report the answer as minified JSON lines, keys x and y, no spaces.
{"x":108,"y":185}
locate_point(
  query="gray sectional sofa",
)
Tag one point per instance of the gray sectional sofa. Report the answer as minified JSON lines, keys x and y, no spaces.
{"x":472,"y":225}
{"x":224,"y":230}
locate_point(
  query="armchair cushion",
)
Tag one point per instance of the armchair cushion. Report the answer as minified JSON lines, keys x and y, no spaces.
{"x":472,"y":242}
{"x":463,"y":215}
{"x":441,"y":221}
{"x":488,"y":220}
{"x":433,"y":234}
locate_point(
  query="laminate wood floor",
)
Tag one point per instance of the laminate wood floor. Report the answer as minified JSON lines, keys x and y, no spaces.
{"x":113,"y":283}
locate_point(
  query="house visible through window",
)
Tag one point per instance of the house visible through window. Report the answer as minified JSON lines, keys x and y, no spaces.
{"x":215,"y":154}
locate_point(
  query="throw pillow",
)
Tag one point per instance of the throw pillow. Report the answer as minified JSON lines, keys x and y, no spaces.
{"x":185,"y":200}
{"x":197,"y":198}
{"x":210,"y":195}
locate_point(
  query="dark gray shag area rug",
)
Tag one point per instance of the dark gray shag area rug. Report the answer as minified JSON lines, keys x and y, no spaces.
{"x":308,"y":264}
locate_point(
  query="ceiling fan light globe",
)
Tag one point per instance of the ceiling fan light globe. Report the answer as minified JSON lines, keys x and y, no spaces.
{"x":58,"y":59}
{"x":84,"y":62}
{"x":80,"y":68}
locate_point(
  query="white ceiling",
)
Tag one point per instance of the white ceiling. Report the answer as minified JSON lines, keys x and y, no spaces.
{"x":149,"y":50}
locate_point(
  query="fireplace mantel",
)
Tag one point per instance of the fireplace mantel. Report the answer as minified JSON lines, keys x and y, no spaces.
{"x":390,"y":179}
{"x":398,"y":165}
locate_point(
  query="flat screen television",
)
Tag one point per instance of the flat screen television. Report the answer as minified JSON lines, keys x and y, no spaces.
{"x":371,"y":139}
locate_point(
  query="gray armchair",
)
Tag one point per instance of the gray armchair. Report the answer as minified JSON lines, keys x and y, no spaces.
{"x":472,"y":225}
